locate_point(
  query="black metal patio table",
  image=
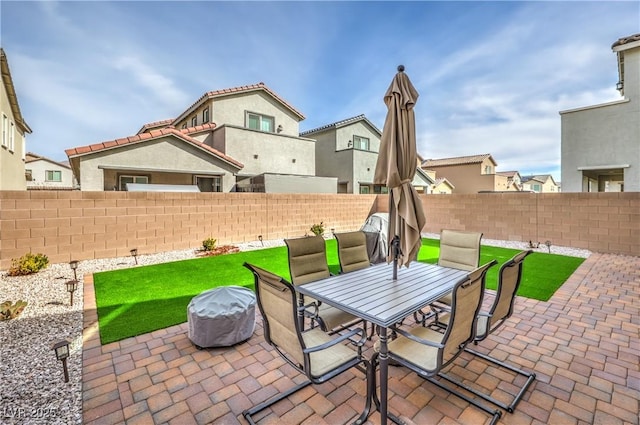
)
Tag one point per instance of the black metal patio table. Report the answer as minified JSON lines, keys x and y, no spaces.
{"x":371,"y":294}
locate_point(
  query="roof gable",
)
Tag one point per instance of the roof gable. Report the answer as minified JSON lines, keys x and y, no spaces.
{"x":32,"y":157}
{"x":459,"y":160}
{"x":183,"y":135}
{"x":343,"y":123}
{"x":11,"y":93}
{"x":238,"y":90}
{"x":155,"y":124}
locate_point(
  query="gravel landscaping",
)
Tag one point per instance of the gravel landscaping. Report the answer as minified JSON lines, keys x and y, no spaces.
{"x":33,"y":390}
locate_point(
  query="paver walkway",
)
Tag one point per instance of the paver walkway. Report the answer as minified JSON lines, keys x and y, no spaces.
{"x":583,"y":345}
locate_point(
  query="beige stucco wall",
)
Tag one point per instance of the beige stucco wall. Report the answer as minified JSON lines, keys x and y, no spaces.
{"x":604,"y":135}
{"x":335,"y":158}
{"x":39,"y":169}
{"x":11,"y":160}
{"x":151,"y":158}
{"x":468,"y":178}
{"x":278,"y":183}
{"x":276,"y":153}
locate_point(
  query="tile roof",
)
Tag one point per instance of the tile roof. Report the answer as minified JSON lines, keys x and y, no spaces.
{"x":342,"y":123}
{"x":234,"y":90}
{"x":626,"y":40}
{"x":459,"y":160}
{"x":155,"y":124}
{"x":443,"y":180}
{"x":507,"y":173}
{"x":11,"y":93}
{"x":31,"y":157}
{"x":182,"y":134}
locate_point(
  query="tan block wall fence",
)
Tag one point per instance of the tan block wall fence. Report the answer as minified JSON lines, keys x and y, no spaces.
{"x":68,"y":225}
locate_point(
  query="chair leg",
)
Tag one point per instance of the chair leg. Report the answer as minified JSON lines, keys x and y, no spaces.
{"x":260,"y":407}
{"x":531,"y":376}
{"x":496,"y":414}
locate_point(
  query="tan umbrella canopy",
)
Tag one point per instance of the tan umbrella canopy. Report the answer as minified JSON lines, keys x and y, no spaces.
{"x":396,"y":167}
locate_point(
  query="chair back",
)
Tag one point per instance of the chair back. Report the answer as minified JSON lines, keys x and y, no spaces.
{"x":466,"y":302}
{"x":459,"y":249}
{"x":509,"y":278}
{"x":277,"y":303}
{"x":307,"y":259}
{"x":352,"y":251}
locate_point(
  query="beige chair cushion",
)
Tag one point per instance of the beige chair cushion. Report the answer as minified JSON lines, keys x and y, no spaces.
{"x":307,"y":259}
{"x":425,"y":356}
{"x":352,"y":251}
{"x":459,"y":250}
{"x":328,"y":359}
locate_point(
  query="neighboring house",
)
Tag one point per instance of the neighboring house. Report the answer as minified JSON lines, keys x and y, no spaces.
{"x":514,"y":180}
{"x":237,"y":139}
{"x":13,"y":137}
{"x":543,"y":183}
{"x":441,"y":185}
{"x":45,"y":173}
{"x":601,"y":143}
{"x":469,"y":174}
{"x":348,"y":149}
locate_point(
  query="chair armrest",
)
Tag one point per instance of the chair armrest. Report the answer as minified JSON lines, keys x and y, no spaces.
{"x":417,"y":339}
{"x":337,"y":340}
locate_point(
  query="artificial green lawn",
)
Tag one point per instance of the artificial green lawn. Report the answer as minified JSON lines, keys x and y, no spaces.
{"x":142,"y":299}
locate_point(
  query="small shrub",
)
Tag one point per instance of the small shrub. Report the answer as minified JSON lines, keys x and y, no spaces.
{"x":318,"y":229}
{"x":209,"y":244}
{"x":9,"y":311}
{"x":28,"y":264}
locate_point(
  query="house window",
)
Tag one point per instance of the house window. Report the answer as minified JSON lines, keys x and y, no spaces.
{"x":361,"y":143}
{"x":260,"y":122}
{"x":11,"y":133}
{"x":53,"y":176}
{"x":536,"y":187}
{"x":184,"y":125}
{"x":209,"y":183}
{"x":205,"y":116}
{"x":487,"y":169}
{"x":380,"y":189}
{"x":123,"y":180}
{"x":194,"y":121}
{"x":28,"y":175}
{"x":364,"y":189}
{"x":5,"y":128}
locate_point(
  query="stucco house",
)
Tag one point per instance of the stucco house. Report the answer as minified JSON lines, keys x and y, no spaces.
{"x":514,"y":179}
{"x":440,"y":185}
{"x":237,"y":139}
{"x":601,"y":143}
{"x":14,"y":131}
{"x":44,"y":173}
{"x":541,"y":183}
{"x":470,"y":174}
{"x":348,"y":149}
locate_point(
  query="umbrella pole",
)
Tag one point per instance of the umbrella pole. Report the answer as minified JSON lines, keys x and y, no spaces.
{"x":395,"y":248}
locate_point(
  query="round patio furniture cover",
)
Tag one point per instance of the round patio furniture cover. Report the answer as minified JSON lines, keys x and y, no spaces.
{"x":222,"y":317}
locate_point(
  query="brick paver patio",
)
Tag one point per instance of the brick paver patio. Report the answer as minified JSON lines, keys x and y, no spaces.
{"x":583,"y":345}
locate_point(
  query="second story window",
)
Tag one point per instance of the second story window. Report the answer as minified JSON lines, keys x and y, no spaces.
{"x":260,"y":122}
{"x":53,"y":176}
{"x":487,"y":169}
{"x":205,"y":116}
{"x":5,"y":129}
{"x":361,"y":143}
{"x":11,"y":132}
{"x":28,"y":175}
{"x":194,"y":121}
{"x":184,"y":125}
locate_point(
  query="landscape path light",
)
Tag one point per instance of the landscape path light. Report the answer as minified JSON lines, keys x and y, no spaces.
{"x":74,"y":266}
{"x":134,"y":254}
{"x":61,"y":349}
{"x":71,"y":287}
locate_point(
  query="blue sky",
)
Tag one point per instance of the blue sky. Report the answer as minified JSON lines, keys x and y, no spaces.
{"x":492,"y":76}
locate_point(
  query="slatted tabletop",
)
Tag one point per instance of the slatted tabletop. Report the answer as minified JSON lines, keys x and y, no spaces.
{"x":374,"y":296}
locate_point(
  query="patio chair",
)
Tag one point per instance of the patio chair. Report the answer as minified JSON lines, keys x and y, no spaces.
{"x":314,"y":353}
{"x":352,"y":251}
{"x":509,"y":278}
{"x":308,"y":263}
{"x":427,"y":351}
{"x":458,"y":250}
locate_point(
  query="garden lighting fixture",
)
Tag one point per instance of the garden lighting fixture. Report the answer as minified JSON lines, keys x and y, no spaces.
{"x":71,"y":287}
{"x":134,"y":254}
{"x":61,"y":349}
{"x":74,"y":265}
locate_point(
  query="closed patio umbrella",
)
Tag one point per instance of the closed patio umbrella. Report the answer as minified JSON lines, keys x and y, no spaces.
{"x":396,"y":167}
